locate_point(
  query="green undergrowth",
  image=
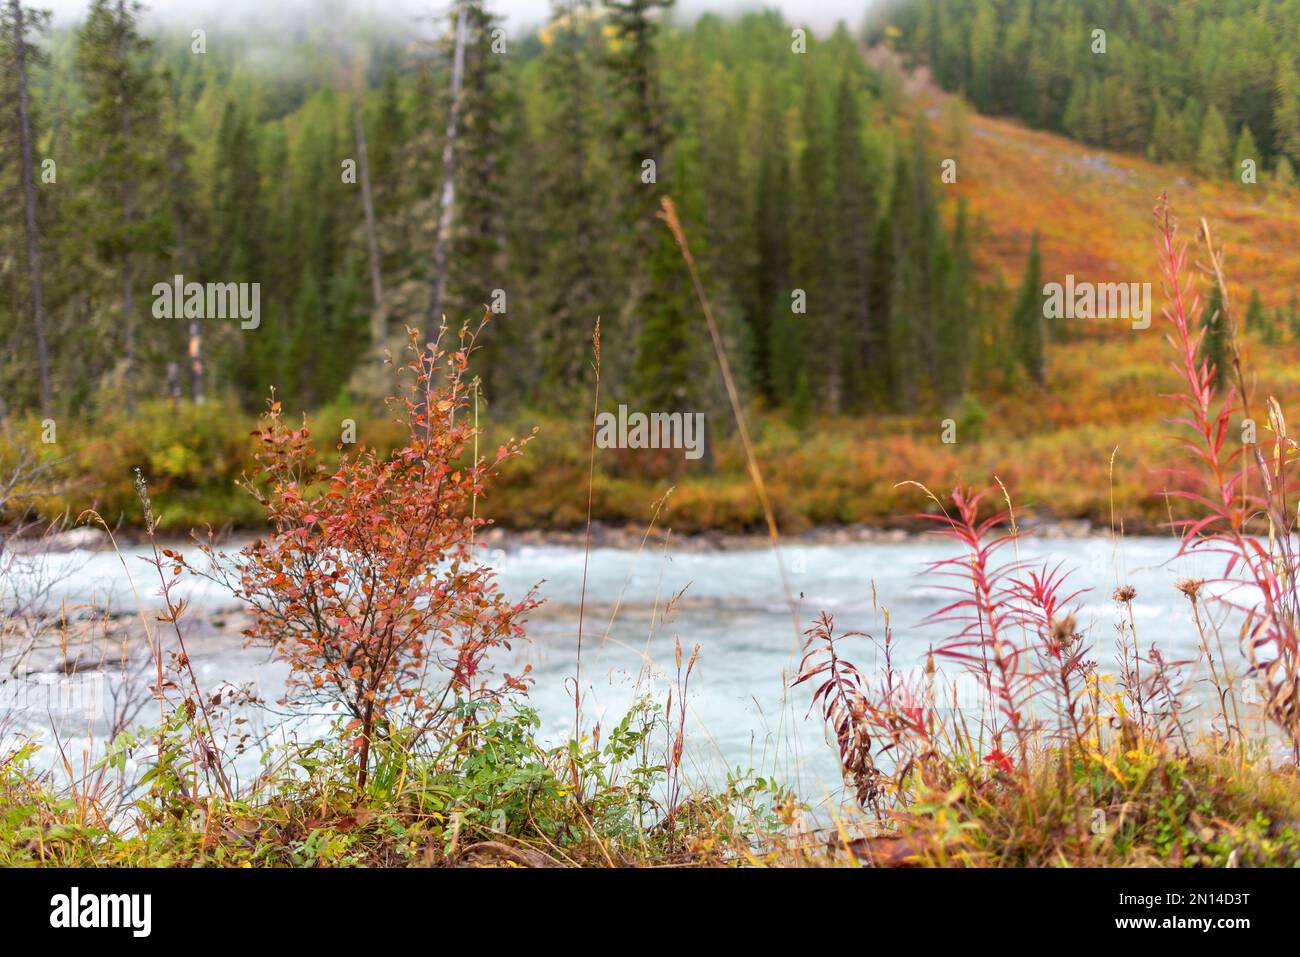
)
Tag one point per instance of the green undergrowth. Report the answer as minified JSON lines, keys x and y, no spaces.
{"x":497,"y":797}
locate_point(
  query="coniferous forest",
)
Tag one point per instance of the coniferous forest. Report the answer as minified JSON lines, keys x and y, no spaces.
{"x":1205,"y":82}
{"x":321,"y":182}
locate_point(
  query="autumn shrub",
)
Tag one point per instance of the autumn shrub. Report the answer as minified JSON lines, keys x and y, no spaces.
{"x":368,"y":584}
{"x":193,"y":455}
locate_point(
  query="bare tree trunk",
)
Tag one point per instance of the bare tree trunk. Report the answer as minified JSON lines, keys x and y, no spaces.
{"x":196,"y":329}
{"x":34,"y":276}
{"x":448,"y":198}
{"x":378,"y":327}
{"x":196,"y":362}
{"x":195,"y":348}
{"x":363,"y":758}
{"x":174,"y":383}
{"x":128,"y":219}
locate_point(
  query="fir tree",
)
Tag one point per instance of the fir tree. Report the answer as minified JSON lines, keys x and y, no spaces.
{"x":641,"y":143}
{"x":1027,"y":319}
{"x":118,"y":139}
{"x":810,"y":274}
{"x":1214,"y":341}
{"x":570,"y":271}
{"x":1214,"y":152}
{"x":18,"y":129}
{"x":1283,"y":175}
{"x":1245,"y":150}
{"x":861,"y":344}
{"x":1286,"y":115}
{"x":770,"y":285}
{"x":1189,"y":131}
{"x":1258,"y":319}
{"x":1163,"y":144}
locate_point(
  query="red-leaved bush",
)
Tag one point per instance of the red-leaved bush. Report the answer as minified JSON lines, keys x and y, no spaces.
{"x":368,"y":585}
{"x":1012,"y":624}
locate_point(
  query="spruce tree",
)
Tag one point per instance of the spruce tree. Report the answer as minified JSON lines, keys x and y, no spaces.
{"x":1189,"y":131}
{"x":1286,"y":115}
{"x":640,"y":142}
{"x":951,"y":271}
{"x":904,"y":290}
{"x":1284,"y":175}
{"x":1163,"y":143}
{"x":479,"y":267}
{"x":861,"y":341}
{"x":810,"y":273}
{"x":569,"y":271}
{"x":1215,"y":150}
{"x":478,"y":245}
{"x":633,"y":62}
{"x":235,"y":252}
{"x":18,"y":130}
{"x":1245,"y":150}
{"x":118,"y":140}
{"x":1027,"y":319}
{"x":1258,"y":319}
{"x":1214,"y":341}
{"x":186,"y":240}
{"x":386,"y":143}
{"x":770,"y":285}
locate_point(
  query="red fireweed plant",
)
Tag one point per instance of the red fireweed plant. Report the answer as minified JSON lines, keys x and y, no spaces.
{"x":1012,"y":631}
{"x":1008,"y":617}
{"x":1264,"y":569}
{"x":1012,"y":624}
{"x":844,"y":698}
{"x":368,"y":585}
{"x":893,"y":715}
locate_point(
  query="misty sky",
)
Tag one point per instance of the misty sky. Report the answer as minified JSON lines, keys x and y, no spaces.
{"x":519,"y":14}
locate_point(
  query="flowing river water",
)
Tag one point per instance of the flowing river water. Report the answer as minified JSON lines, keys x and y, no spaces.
{"x":742,"y":714}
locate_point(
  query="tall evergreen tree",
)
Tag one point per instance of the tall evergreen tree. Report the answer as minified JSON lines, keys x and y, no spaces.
{"x":19,"y":130}
{"x":571,"y":270}
{"x":118,"y":137}
{"x":957,"y":315}
{"x":1215,"y":150}
{"x":632,"y":59}
{"x":1284,"y":175}
{"x":818,"y":324}
{"x":1163,"y":142}
{"x":1244,"y":150}
{"x":1258,"y":319}
{"x":851,"y":219}
{"x":639,"y":131}
{"x":770,"y":285}
{"x":1214,"y":342}
{"x":186,"y":237}
{"x":1190,"y":120}
{"x":236,"y":250}
{"x":1027,"y":319}
{"x":1286,"y":115}
{"x":905,"y":334}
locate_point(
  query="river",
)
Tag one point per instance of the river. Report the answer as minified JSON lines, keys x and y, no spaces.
{"x":742,"y":714}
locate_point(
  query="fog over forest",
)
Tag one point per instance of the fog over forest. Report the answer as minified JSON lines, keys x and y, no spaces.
{"x":519,"y":15}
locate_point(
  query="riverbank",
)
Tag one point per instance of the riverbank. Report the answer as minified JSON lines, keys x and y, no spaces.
{"x":1089,"y":447}
{"x":602,"y":535}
